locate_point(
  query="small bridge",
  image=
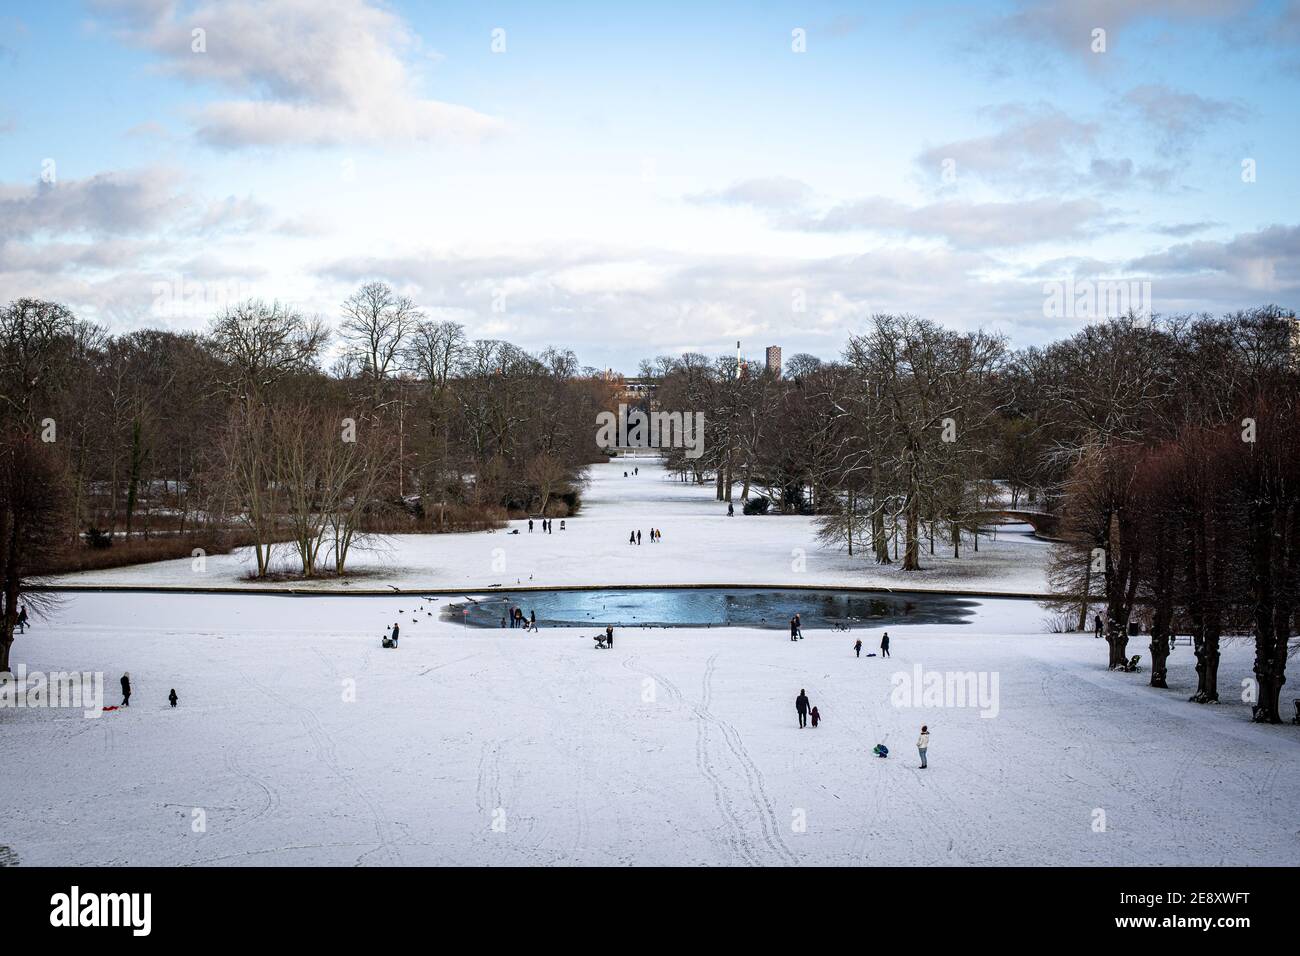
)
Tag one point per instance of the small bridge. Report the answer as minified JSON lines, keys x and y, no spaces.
{"x":1043,"y":523}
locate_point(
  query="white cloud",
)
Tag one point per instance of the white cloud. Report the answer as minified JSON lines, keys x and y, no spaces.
{"x":314,"y":72}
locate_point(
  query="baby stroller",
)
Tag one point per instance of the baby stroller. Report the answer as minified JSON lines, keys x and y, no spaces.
{"x":880,"y":750}
{"x":388,"y":641}
{"x":602,"y":643}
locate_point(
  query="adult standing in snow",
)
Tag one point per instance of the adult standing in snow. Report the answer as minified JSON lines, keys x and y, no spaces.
{"x":631,"y":539}
{"x":801,"y":707}
{"x":638,"y":536}
{"x":530,"y":525}
{"x":396,"y":629}
{"x":884,"y":645}
{"x":794,"y":630}
{"x":857,"y":648}
{"x":609,"y":634}
{"x":1096,"y":625}
{"x":532,"y":621}
{"x":731,"y":509}
{"x":126,"y":689}
{"x":22,"y":618}
{"x":798,"y":625}
{"x":923,"y":744}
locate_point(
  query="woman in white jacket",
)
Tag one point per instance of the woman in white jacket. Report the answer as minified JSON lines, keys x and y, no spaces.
{"x":923,"y":744}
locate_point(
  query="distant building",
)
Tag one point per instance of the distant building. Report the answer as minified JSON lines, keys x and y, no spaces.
{"x":774,"y":360}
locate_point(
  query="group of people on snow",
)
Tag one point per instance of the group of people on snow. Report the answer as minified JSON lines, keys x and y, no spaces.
{"x":548,"y":525}
{"x":635,"y":536}
{"x":807,"y":712}
{"x":126,"y":692}
{"x":516,"y":617}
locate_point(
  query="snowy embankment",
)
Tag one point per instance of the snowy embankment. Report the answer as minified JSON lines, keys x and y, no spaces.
{"x":298,"y":740}
{"x":700,"y":545}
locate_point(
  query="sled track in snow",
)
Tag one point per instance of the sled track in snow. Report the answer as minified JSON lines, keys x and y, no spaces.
{"x":769,"y":828}
{"x":323,"y":746}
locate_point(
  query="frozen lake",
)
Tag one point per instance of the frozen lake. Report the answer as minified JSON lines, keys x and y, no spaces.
{"x":715,"y":607}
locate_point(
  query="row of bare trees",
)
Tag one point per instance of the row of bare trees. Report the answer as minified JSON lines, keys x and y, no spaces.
{"x":1181,"y":507}
{"x":1162,"y":452}
{"x":161,"y":435}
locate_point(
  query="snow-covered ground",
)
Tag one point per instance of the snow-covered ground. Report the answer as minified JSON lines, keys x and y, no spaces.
{"x":298,"y":740}
{"x":679,"y":746}
{"x":700,"y":545}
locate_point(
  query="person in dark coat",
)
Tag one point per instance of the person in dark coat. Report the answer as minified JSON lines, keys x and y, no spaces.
{"x":801,"y":706}
{"x":172,"y":697}
{"x":126,"y":689}
{"x":794,"y":630}
{"x":884,"y":645}
{"x":815,"y":715}
{"x":530,"y":525}
{"x":798,"y":626}
{"x":731,"y":510}
{"x":1096,"y":625}
{"x":857,"y":648}
{"x":631,"y":539}
{"x":609,"y":634}
{"x":395,"y":630}
{"x":22,"y":618}
{"x":638,"y":537}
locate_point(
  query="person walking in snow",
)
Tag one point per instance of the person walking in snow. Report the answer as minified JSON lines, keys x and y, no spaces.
{"x":857,"y":648}
{"x":798,"y":626}
{"x":884,"y":645}
{"x":172,"y":698}
{"x":530,"y":525}
{"x":923,"y":744}
{"x":395,"y":631}
{"x":22,"y":618}
{"x":1096,"y":625}
{"x":731,"y":510}
{"x":801,"y":707}
{"x":532,"y":621}
{"x":631,"y":539}
{"x":815,"y":715}
{"x":126,"y":689}
{"x":794,"y":630}
{"x":638,"y":536}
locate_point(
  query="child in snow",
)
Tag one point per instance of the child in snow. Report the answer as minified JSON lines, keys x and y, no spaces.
{"x":126,"y":689}
{"x":857,"y":648}
{"x":172,"y":697}
{"x":815,"y":715}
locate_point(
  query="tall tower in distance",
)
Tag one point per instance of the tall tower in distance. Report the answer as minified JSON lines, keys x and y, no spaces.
{"x":774,"y":360}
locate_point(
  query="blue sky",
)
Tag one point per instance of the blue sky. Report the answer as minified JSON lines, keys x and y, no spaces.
{"x":630,"y":180}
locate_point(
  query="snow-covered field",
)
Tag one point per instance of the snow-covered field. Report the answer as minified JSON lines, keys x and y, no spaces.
{"x":298,"y":740}
{"x":678,"y":746}
{"x":700,"y":545}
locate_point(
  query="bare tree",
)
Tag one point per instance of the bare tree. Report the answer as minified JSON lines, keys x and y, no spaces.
{"x":375,"y":328}
{"x":33,"y":514}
